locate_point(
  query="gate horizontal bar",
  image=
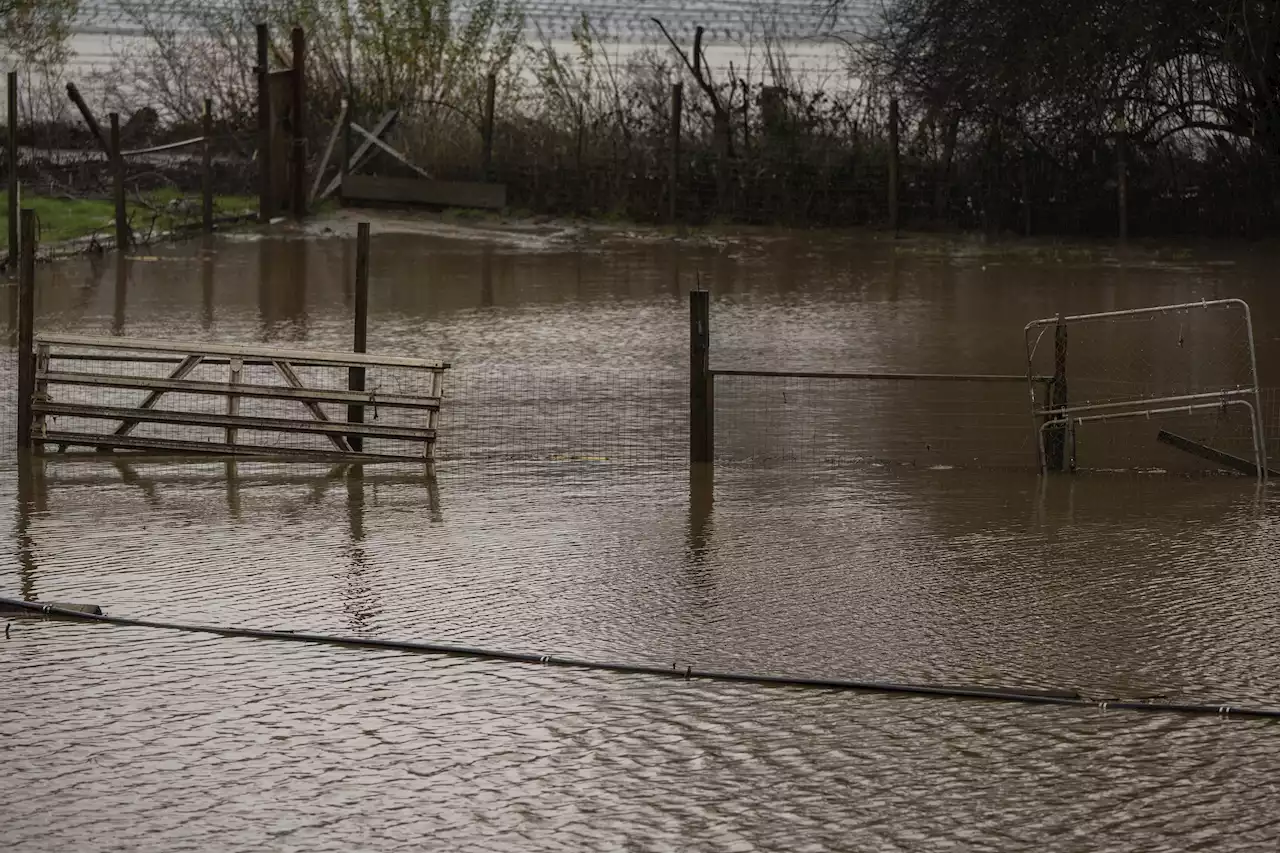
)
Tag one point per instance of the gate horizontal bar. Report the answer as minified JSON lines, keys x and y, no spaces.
{"x":249,"y":422}
{"x":1145,"y":403}
{"x":133,"y":442}
{"x":891,"y":377}
{"x":1134,"y":312}
{"x":308,"y":357}
{"x":223,"y":389}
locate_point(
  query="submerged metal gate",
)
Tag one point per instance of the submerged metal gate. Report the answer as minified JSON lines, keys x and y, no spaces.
{"x":232,"y":400}
{"x":1153,"y":363}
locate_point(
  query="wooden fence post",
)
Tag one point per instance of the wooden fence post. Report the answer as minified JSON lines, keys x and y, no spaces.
{"x":1122,"y":184}
{"x":677,"y":107}
{"x":486,"y":159}
{"x":26,"y":327}
{"x":298,"y":126}
{"x":1057,"y":457}
{"x":12,"y":143}
{"x":266,"y":206}
{"x":206,"y":169}
{"x":894,"y":164}
{"x":355,"y":375}
{"x":701,"y":381}
{"x":117,"y":185}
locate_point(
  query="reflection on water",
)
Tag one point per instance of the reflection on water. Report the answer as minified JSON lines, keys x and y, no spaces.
{"x":911,"y":567}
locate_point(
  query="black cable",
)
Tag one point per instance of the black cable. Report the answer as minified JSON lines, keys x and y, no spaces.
{"x":1049,"y":697}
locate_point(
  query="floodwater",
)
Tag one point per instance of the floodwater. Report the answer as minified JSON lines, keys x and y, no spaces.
{"x":853,"y":530}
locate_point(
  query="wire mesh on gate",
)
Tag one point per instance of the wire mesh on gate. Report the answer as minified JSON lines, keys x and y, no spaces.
{"x":840,"y":421}
{"x":1185,"y":369}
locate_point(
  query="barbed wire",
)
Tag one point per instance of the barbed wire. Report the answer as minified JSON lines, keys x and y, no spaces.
{"x":727,"y":19}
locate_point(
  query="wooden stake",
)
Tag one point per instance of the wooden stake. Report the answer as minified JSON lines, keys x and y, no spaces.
{"x":266,"y":205}
{"x":355,"y":375}
{"x":298,"y":126}
{"x":206,"y":169}
{"x":26,"y":327}
{"x":677,"y":107}
{"x":486,"y":161}
{"x":87,"y":114}
{"x":701,"y":421}
{"x":12,"y":142}
{"x":894,"y":165}
{"x":1056,"y":456}
{"x":1122,"y":185}
{"x":117,"y":179}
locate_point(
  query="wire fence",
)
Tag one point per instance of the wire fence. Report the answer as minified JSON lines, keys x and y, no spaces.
{"x":518,"y":419}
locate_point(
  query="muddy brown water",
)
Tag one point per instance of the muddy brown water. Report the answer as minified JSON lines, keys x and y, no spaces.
{"x":881,"y":536}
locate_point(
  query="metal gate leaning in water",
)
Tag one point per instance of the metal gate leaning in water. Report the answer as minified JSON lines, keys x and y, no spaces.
{"x":1166,"y":388}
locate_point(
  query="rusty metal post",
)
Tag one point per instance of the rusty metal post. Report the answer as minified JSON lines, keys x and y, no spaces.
{"x":12,"y":144}
{"x":894,"y":164}
{"x":117,"y":186}
{"x":26,"y":327}
{"x":206,"y":169}
{"x":266,"y":205}
{"x":298,"y":125}
{"x":486,"y":159}
{"x":701,"y":389}
{"x":677,"y":107}
{"x":355,"y":375}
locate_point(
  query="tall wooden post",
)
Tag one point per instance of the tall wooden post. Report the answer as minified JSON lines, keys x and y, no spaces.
{"x":26,"y":327}
{"x":355,"y":375}
{"x":117,"y":185}
{"x":893,"y":164}
{"x":486,"y":156}
{"x":677,"y":107}
{"x":206,"y":169}
{"x":701,"y":389}
{"x":1122,"y":184}
{"x":12,"y":143}
{"x":1057,"y":457}
{"x":298,"y":126}
{"x":266,"y":205}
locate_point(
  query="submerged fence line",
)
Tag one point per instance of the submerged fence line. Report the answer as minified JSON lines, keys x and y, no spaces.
{"x":1061,"y":698}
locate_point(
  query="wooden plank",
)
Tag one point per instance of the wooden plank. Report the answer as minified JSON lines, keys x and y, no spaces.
{"x":1218,"y":457}
{"x":379,"y":130}
{"x":328,"y":150}
{"x":133,"y":442}
{"x":291,"y":376}
{"x":251,"y":422}
{"x":309,"y":357}
{"x":188,"y":364}
{"x":389,"y":150}
{"x":89,"y":120}
{"x":431,"y":193}
{"x":277,"y":392}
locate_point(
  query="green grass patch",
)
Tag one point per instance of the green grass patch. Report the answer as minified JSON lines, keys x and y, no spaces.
{"x":64,"y":219}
